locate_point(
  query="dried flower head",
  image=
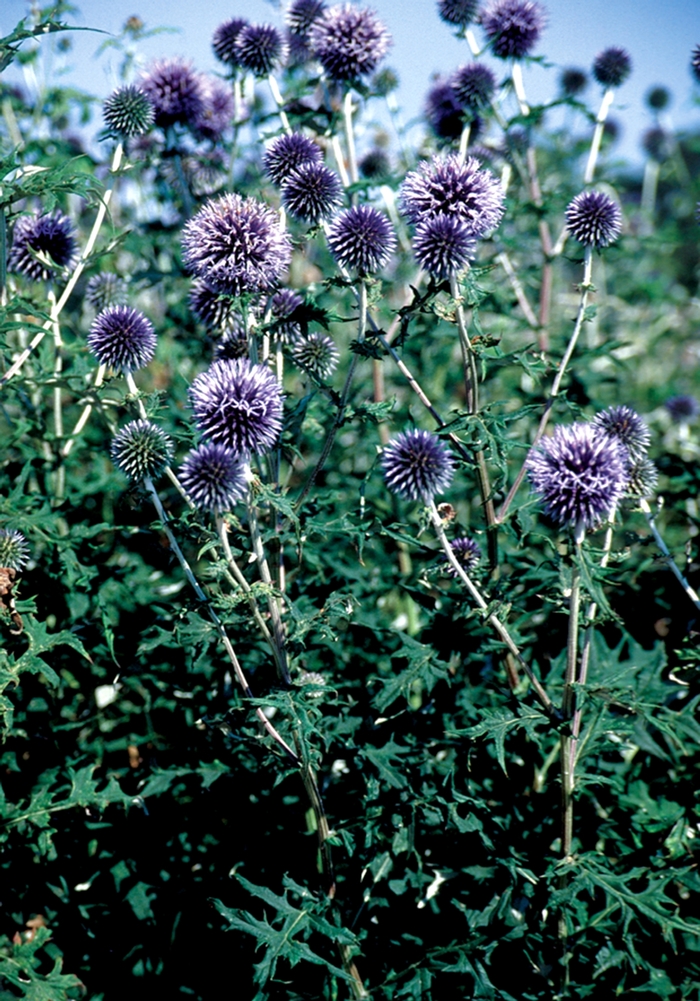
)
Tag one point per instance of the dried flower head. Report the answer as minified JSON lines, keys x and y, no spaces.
{"x":626,"y":427}
{"x":238,"y":404}
{"x":443,"y":245}
{"x":594,"y":219}
{"x":513,"y":27}
{"x":459,"y":12}
{"x":224,"y":40}
{"x":467,"y":553}
{"x":301,"y":14}
{"x":417,"y":465}
{"x":214,"y":477}
{"x":612,"y":67}
{"x":682,"y":408}
{"x":695,"y":62}
{"x":260,"y":48}
{"x":349,"y":42}
{"x":141,"y":449}
{"x":122,"y":338}
{"x":285,"y":328}
{"x":106,"y":289}
{"x":573,"y":81}
{"x":14,"y":550}
{"x":236,"y":245}
{"x":579,"y":475}
{"x":443,"y":111}
{"x":287,"y":153}
{"x":128,"y":111}
{"x":217,"y":110}
{"x":317,"y":354}
{"x":361,"y":239}
{"x":175,"y":91}
{"x":51,"y":236}
{"x":312,"y":192}
{"x":474,"y":86}
{"x":446,"y":186}
{"x":643,"y":478}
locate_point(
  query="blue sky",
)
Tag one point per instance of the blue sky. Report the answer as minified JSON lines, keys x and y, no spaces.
{"x":659,"y":37}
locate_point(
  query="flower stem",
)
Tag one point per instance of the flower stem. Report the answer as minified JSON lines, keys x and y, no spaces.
{"x":671,"y":563}
{"x":273,"y":603}
{"x":602,"y":115}
{"x":279,"y":102}
{"x":350,"y":136}
{"x":85,"y":416}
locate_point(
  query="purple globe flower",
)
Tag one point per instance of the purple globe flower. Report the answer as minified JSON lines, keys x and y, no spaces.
{"x":612,"y":67}
{"x":260,"y":48}
{"x":643,"y":478}
{"x":443,"y":111}
{"x":375,"y":164}
{"x":446,"y":186}
{"x":417,"y":465}
{"x":213,"y":477}
{"x":122,"y":338}
{"x":474,"y":86}
{"x":239,"y":405}
{"x":695,"y":62}
{"x":233,"y":343}
{"x":141,"y":449}
{"x":467,"y":553}
{"x":224,"y":40}
{"x":312,"y":192}
{"x":317,"y":354}
{"x":682,"y":408}
{"x":301,"y":14}
{"x":52,"y":236}
{"x":594,"y":219}
{"x":459,"y":12}
{"x":215,"y":310}
{"x":512,"y":27}
{"x":443,"y":246}
{"x":626,"y":427}
{"x":287,"y":153}
{"x":283,"y":306}
{"x":106,"y":289}
{"x":175,"y":91}
{"x":579,"y":474}
{"x":298,"y":49}
{"x":236,"y":245}
{"x":349,"y":42}
{"x":14,"y":550}
{"x":658,"y":98}
{"x":573,"y":81}
{"x":216,"y":113}
{"x":361,"y":239}
{"x":128,"y":112}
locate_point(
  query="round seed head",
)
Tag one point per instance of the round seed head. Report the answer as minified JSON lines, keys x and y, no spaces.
{"x":216,"y":113}
{"x":312,"y":192}
{"x":285,"y":328}
{"x":287,"y":153}
{"x":361,"y":239}
{"x":573,"y":81}
{"x":594,"y":219}
{"x":301,"y":14}
{"x":122,"y":338}
{"x":214,"y":477}
{"x":467,"y":552}
{"x":682,"y":408}
{"x":443,"y":111}
{"x":317,"y":354}
{"x":446,"y":186}
{"x":513,"y":27}
{"x":259,"y":48}
{"x":443,"y":246}
{"x":128,"y":112}
{"x":626,"y":427}
{"x":14,"y":550}
{"x":474,"y":86}
{"x":51,"y":236}
{"x":106,"y":289}
{"x":417,"y":465}
{"x":224,"y":40}
{"x":612,"y":66}
{"x":643,"y":478}
{"x":141,"y":449}
{"x":695,"y":62}
{"x":239,"y":405}
{"x":459,"y":12}
{"x":175,"y":91}
{"x":349,"y":42}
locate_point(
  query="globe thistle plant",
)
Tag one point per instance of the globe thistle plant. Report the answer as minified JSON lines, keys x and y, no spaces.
{"x":217,"y":110}
{"x":224,"y":40}
{"x":141,"y":449}
{"x":657,"y":142}
{"x":287,"y":153}
{"x":361,"y":239}
{"x":106,"y":289}
{"x":626,"y":427}
{"x":233,"y":343}
{"x":317,"y":354}
{"x":642,"y":479}
{"x":467,"y":553}
{"x":375,"y":165}
{"x":417,"y":465}
{"x":594,"y":219}
{"x":128,"y":112}
{"x":301,"y":15}
{"x":658,"y":98}
{"x":284,"y":303}
{"x":52,"y":236}
{"x":214,"y":477}
{"x":682,"y":409}
{"x":259,"y":48}
{"x":175,"y":91}
{"x":573,"y":81}
{"x":236,"y":245}
{"x":14,"y":550}
{"x":215,"y":310}
{"x":238,"y":404}
{"x":122,"y":338}
{"x":443,"y":111}
{"x":512,"y":27}
{"x":443,"y":246}
{"x":297,"y":48}
{"x":448,"y":186}
{"x":612,"y":67}
{"x":349,"y":42}
{"x":458,"y":12}
{"x":695,"y":63}
{"x":312,"y":192}
{"x":474,"y":86}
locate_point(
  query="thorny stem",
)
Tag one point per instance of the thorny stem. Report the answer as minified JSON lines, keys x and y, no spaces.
{"x":505,"y":262}
{"x":279,"y":101}
{"x":516,"y":74}
{"x":273,"y":601}
{"x":350,"y":136}
{"x":60,"y":479}
{"x":85,"y":416}
{"x":671,"y":563}
{"x":547,"y":250}
{"x":605,"y":104}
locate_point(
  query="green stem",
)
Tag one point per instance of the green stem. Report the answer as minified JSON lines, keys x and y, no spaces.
{"x":273,"y":601}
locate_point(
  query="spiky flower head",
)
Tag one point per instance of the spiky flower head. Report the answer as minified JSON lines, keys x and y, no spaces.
{"x":474,"y":85}
{"x":657,"y":143}
{"x":214,"y":477}
{"x":658,"y":98}
{"x":106,"y":289}
{"x":460,"y":12}
{"x":301,"y":14}
{"x":375,"y":164}
{"x":238,"y":404}
{"x":512,"y":27}
{"x":579,"y":475}
{"x":612,"y":66}
{"x":298,"y":49}
{"x":14,"y":550}
{"x":361,"y":239}
{"x":206,"y":173}
{"x":122,"y":338}
{"x":216,"y":113}
{"x":224,"y":40}
{"x":594,"y":219}
{"x":626,"y":427}
{"x":215,"y":310}
{"x":573,"y":81}
{"x":141,"y":449}
{"x":443,"y":111}
{"x":236,"y":245}
{"x":443,"y":245}
{"x":287,"y":153}
{"x":467,"y":553}
{"x":317,"y":354}
{"x":260,"y":48}
{"x":417,"y":465}
{"x":233,"y":343}
{"x":51,"y":236}
{"x":682,"y":408}
{"x":128,"y":111}
{"x":175,"y":90}
{"x":695,"y":62}
{"x":285,"y":328}
{"x":312,"y":192}
{"x":349,"y":42}
{"x":446,"y":186}
{"x":643,"y":477}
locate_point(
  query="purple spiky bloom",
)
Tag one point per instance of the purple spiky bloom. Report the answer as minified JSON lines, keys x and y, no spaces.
{"x":361,"y":239}
{"x":695,"y":63}
{"x":238,"y":404}
{"x":224,"y":40}
{"x":298,"y":49}
{"x":459,"y":12}
{"x":287,"y":153}
{"x":349,"y":42}
{"x":14,"y":550}
{"x":317,"y":354}
{"x":52,"y":236}
{"x":375,"y":164}
{"x":260,"y":48}
{"x":284,"y":303}
{"x":474,"y":85}
{"x":233,"y":343}
{"x":626,"y":427}
{"x":128,"y":111}
{"x":214,"y":477}
{"x":175,"y":91}
{"x":682,"y":408}
{"x":573,"y":81}
{"x":443,"y":246}
{"x":467,"y":553}
{"x":141,"y":449}
{"x":443,"y":111}
{"x":513,"y":27}
{"x":312,"y":192}
{"x":236,"y":245}
{"x":301,"y":14}
{"x":217,"y":311}
{"x":594,"y":219}
{"x":206,"y":173}
{"x":217,"y":111}
{"x":612,"y":66}
{"x":579,"y":474}
{"x":642,"y":479}
{"x":122,"y":338}
{"x":106,"y":289}
{"x":446,"y":186}
{"x":658,"y":98}
{"x":417,"y":465}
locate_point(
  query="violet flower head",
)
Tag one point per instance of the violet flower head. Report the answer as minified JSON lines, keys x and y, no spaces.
{"x":375,"y":164}
{"x":361,"y":239}
{"x":214,"y":478}
{"x":128,"y":111}
{"x":141,"y":449}
{"x":175,"y":91}
{"x":14,"y":550}
{"x":446,"y":186}
{"x":643,"y":478}
{"x":122,"y":338}
{"x":260,"y":48}
{"x":417,"y":465}
{"x":236,"y":245}
{"x":443,"y":245}
{"x":443,"y":111}
{"x":612,"y":66}
{"x":298,"y":49}
{"x":625,"y":426}
{"x":317,"y":354}
{"x":513,"y":27}
{"x":52,"y":236}
{"x":224,"y":40}
{"x":579,"y":474}
{"x":238,"y":404}
{"x":312,"y":192}
{"x":683,"y":408}
{"x":349,"y":42}
{"x":216,"y":310}
{"x":216,"y":113}
{"x":573,"y":81}
{"x":695,"y":63}
{"x":285,"y":328}
{"x":594,"y":219}
{"x":474,"y":85}
{"x":301,"y":15}
{"x":467,"y":553}
{"x":458,"y":12}
{"x":106,"y":289}
{"x":658,"y":98}
{"x":287,"y":153}
{"x":233,"y":343}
